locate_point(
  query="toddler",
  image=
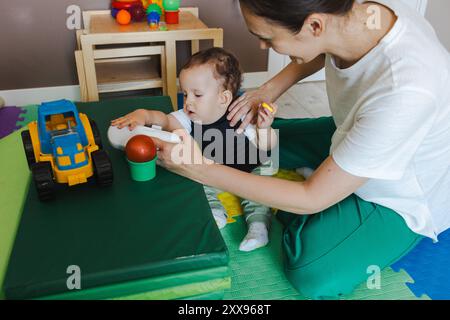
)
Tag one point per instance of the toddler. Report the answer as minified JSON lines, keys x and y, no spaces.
{"x":210,"y":82}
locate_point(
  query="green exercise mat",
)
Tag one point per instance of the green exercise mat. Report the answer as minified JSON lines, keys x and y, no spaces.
{"x":14,"y":178}
{"x":173,"y":286}
{"x":128,"y":232}
{"x":259,"y":275}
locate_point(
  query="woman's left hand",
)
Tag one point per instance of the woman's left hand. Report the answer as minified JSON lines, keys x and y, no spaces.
{"x":184,"y":158}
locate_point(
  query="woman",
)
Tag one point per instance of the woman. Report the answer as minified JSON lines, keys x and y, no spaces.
{"x":382,"y":177}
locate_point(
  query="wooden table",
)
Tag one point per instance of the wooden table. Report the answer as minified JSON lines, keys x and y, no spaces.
{"x":102,"y":29}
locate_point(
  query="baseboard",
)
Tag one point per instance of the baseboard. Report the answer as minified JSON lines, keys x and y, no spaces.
{"x":23,"y":97}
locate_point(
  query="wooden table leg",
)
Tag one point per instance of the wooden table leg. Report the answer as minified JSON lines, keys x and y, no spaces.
{"x":171,"y":64}
{"x":81,"y":76}
{"x":89,"y":68}
{"x":218,"y":39}
{"x":195,"y":46}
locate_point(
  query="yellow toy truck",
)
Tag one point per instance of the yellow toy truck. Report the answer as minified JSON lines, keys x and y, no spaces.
{"x":64,"y":146}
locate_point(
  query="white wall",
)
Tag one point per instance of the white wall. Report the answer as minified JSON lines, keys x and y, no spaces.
{"x":438,"y":13}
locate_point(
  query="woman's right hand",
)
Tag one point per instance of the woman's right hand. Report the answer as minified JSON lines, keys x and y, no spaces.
{"x":247,"y":105}
{"x":132,"y":120}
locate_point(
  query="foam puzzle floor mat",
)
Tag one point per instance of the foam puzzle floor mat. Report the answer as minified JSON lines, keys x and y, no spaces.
{"x":259,"y":275}
{"x":428,"y":264}
{"x":422,"y":274}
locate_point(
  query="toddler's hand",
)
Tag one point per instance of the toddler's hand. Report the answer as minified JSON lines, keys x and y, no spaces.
{"x":266,"y":115}
{"x":132,"y":120}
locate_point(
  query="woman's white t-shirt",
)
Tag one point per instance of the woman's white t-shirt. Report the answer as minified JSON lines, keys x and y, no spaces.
{"x":392,"y":112}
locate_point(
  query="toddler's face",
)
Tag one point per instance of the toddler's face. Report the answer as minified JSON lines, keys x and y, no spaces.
{"x":204,"y":97}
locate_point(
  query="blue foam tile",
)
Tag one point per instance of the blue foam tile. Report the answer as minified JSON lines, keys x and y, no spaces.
{"x":428,"y":265}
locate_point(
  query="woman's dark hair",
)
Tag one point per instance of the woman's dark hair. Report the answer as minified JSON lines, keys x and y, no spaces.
{"x":226,"y":67}
{"x":293,"y":13}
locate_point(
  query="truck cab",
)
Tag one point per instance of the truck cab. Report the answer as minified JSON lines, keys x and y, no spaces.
{"x":64,"y":146}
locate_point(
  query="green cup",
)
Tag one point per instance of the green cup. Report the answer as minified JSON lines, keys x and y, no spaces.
{"x":142,"y":171}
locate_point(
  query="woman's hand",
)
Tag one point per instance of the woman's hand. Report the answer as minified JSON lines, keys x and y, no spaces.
{"x":132,"y":120}
{"x":185,"y":158}
{"x":247,"y":105}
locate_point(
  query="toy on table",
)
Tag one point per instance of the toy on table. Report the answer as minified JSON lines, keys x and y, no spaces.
{"x":154,"y":13}
{"x":64,"y":146}
{"x":2,"y":102}
{"x":137,"y":13}
{"x":153,"y":19}
{"x":125,"y":11}
{"x":146,"y":3}
{"x":141,"y":156}
{"x":118,"y":138}
{"x":123,"y":17}
{"x":171,"y":8}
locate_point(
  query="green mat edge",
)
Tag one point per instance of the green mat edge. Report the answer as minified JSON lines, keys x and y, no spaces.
{"x":8,"y":223}
{"x":146,"y":286}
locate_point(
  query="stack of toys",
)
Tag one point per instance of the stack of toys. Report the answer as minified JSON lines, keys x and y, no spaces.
{"x":141,"y":156}
{"x":158,"y":12}
{"x":172,"y":9}
{"x":154,"y":13}
{"x":125,"y":11}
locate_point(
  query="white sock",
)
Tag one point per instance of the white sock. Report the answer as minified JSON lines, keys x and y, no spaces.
{"x":220,"y":216}
{"x":257,"y":237}
{"x":305,"y":172}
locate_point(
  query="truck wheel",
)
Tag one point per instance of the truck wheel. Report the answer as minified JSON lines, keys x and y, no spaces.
{"x":102,"y":168}
{"x":43,"y":180}
{"x":28,"y":147}
{"x":96,"y":134}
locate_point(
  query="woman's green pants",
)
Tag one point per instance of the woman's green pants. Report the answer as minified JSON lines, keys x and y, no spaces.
{"x":330,"y":253}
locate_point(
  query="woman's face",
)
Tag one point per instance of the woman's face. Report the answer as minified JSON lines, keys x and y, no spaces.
{"x":303,"y":47}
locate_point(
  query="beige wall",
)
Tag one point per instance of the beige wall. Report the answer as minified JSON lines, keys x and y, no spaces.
{"x":438,"y":13}
{"x":36,"y":48}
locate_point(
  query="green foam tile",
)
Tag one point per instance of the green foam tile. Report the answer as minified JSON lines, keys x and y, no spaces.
{"x":12,"y":159}
{"x":29,"y":115}
{"x":256,"y":275}
{"x":392,"y":287}
{"x":259,"y":275}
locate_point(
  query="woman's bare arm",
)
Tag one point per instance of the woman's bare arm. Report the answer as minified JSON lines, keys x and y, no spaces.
{"x":326,"y":187}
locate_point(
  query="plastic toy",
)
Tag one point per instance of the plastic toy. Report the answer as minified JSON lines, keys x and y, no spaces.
{"x":118,"y":138}
{"x":140,"y":148}
{"x":172,"y":17}
{"x":123,"y":17}
{"x":137,"y":12}
{"x":122,"y":4}
{"x":114,"y":12}
{"x":162,"y":26}
{"x":153,"y":20}
{"x":267,"y":106}
{"x":141,"y":157}
{"x":171,"y":8}
{"x":154,"y":8}
{"x":64,"y":146}
{"x":171,"y":5}
{"x":2,"y":102}
{"x":159,"y":3}
{"x":134,"y":7}
{"x":146,"y":3}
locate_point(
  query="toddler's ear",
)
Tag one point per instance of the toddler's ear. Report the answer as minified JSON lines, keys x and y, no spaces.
{"x":226,"y":97}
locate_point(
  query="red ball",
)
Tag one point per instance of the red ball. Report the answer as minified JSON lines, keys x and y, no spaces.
{"x":140,"y":148}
